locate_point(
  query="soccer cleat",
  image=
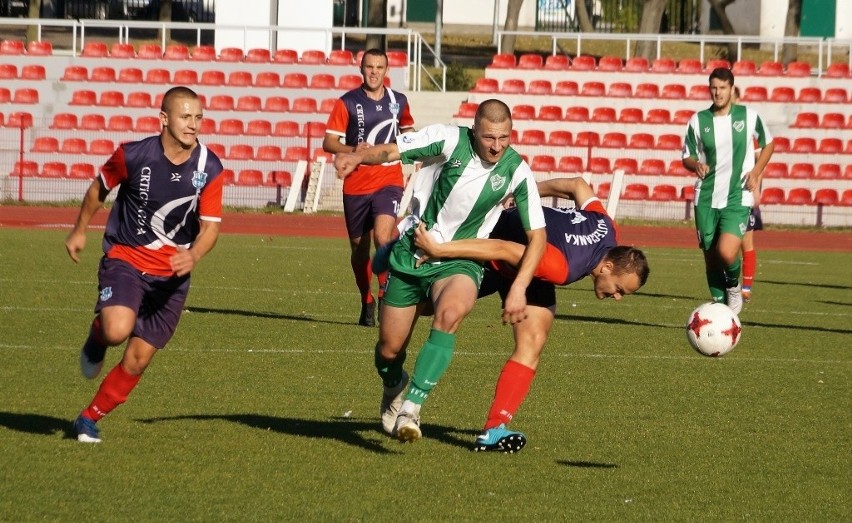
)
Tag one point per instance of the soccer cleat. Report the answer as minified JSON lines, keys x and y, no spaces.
{"x":500,"y":439}
{"x":734,"y":298}
{"x":747,"y":294}
{"x":87,"y":431}
{"x":91,"y":360}
{"x":407,"y":428}
{"x":368,"y":314}
{"x":391,"y":403}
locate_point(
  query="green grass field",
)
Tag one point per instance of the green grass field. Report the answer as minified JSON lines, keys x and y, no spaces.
{"x":264,"y":405}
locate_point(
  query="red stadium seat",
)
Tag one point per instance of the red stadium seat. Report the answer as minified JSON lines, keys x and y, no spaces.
{"x":744,"y":68}
{"x":570,"y":164}
{"x":664,"y":193}
{"x":658,"y":116}
{"x":101,"y":146}
{"x":240,"y":151}
{"x":231,"y":126}
{"x":212,"y":77}
{"x":798,"y":69}
{"x":620,"y":90}
{"x":835,"y":95}
{"x":467,"y":110}
{"x":631,"y":115}
{"x":327,"y":105}
{"x":130,"y":75}
{"x":699,"y":92}
{"x":5,"y":97}
{"x":25,"y":168}
{"x":122,"y":50}
{"x":93,"y":49}
{"x":652,"y":166}
{"x":54,"y":170}
{"x":72,"y":73}
{"x":830,"y":146}
{"x":503,"y":61}
{"x":150,"y":52}
{"x":663,"y":65}
{"x":139,"y":99}
{"x":230,"y":54}
{"x":610,"y":63}
{"x":73,"y":146}
{"x":603,"y":114}
{"x":228,"y":177}
{"x":240,"y":79}
{"x":676,"y":168}
{"x":282,"y":178}
{"x":523,"y":112}
{"x":566,"y":88}
{"x":313,"y":56}
{"x":530,"y":61}
{"x":186,"y":77}
{"x":249,"y":177}
{"x":295,"y":81}
{"x":285,"y":56}
{"x":259,"y":128}
{"x":39,"y":48}
{"x":636,"y":191}
{"x":33,"y":72}
{"x":599,"y":165}
{"x":25,"y":95}
{"x":560,"y":138}
{"x":771,"y":68}
{"x":755,"y":93}
{"x":513,"y":85}
{"x":641,"y":141}
{"x":397,"y":58}
{"x":636,"y":64}
{"x":832,"y":121}
{"x":304,"y":105}
{"x":148,"y":124}
{"x":690,"y":66}
{"x":557,"y":62}
{"x":268,"y":152}
{"x":93,"y":122}
{"x":64,"y":121}
{"x":207,"y":126}
{"x":120,"y":123}
{"x":45,"y":144}
{"x":577,"y":113}
{"x":550,"y":112}
{"x":217,"y":148}
{"x":603,"y":190}
{"x":249,"y":103}
{"x":628,"y":165}
{"x":614,"y":140}
{"x":775,"y":170}
{"x":646,"y":90}
{"x":674,"y":91}
{"x":285,"y":129}
{"x":846,"y":197}
{"x":799,"y":196}
{"x":782,"y":144}
{"x":587,"y":139}
{"x":540,"y":87}
{"x":809,"y":95}
{"x":221,"y":102}
{"x":682,"y":116}
{"x":314,"y":129}
{"x":593,"y":89}
{"x":543,"y":163}
{"x":296,"y":153}
{"x":483,"y":85}
{"x":802,"y":170}
{"x":826,"y":196}
{"x":103,"y":74}
{"x":806,"y":120}
{"x":687,"y":193}
{"x":81,"y":171}
{"x":322,"y":81}
{"x":782,"y":94}
{"x":838,"y":70}
{"x":277,"y":104}
{"x":202,"y":53}
{"x":583,"y":63}
{"x":828,"y":171}
{"x":532,"y":137}
{"x":669,"y":141}
{"x":157,"y":76}
{"x":176,"y":52}
{"x":347,"y":82}
{"x":716,"y":64}
{"x":258,"y":55}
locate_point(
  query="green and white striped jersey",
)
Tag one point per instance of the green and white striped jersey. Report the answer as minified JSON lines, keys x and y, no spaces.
{"x":460,"y":197}
{"x":727,"y":145}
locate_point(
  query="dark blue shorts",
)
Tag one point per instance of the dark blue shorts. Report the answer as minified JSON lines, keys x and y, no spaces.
{"x":361,"y":210}
{"x":539,"y":292}
{"x":755,"y":222}
{"x":157,"y":300}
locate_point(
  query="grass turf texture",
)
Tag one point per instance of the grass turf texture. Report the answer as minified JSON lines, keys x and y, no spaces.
{"x":264,"y":405}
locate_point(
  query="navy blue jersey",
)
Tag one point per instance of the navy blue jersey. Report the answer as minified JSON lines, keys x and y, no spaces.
{"x":159,"y":204}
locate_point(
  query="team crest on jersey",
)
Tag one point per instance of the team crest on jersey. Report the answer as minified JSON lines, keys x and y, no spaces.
{"x":455,"y":164}
{"x":394,"y":108}
{"x":497,"y":182}
{"x":199,"y":179}
{"x":106,"y":293}
{"x":406,"y":139}
{"x":742,"y":228}
{"x":739,"y":125}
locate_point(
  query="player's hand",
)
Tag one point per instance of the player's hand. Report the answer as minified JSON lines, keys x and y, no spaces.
{"x":75,"y":242}
{"x":424,"y":241}
{"x":752,"y":181}
{"x":515,"y":306}
{"x":701,"y":170}
{"x":182,"y":261}
{"x":345,"y":163}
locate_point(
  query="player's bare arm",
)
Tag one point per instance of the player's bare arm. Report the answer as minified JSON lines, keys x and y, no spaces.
{"x":345,"y":163}
{"x":756,"y":174}
{"x":184,"y":260}
{"x":93,"y":200}
{"x":569,"y":188}
{"x":470,"y":249}
{"x":700,"y":169}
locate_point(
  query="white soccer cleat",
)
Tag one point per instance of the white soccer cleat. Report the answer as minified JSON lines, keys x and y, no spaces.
{"x":391,"y":403}
{"x":407,"y":428}
{"x":734,"y":298}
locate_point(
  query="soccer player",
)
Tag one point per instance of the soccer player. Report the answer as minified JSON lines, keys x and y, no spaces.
{"x":755,"y":223}
{"x":165,"y":218}
{"x":581,"y":241}
{"x":368,"y":115}
{"x":719,"y":148}
{"x":459,"y":196}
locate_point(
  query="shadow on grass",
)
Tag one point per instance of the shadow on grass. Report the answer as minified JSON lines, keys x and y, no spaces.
{"x":586,"y":464}
{"x":795,"y":327}
{"x":37,"y":424}
{"x":345,"y":430}
{"x":806,"y":284}
{"x":613,"y":321}
{"x":256,"y":314}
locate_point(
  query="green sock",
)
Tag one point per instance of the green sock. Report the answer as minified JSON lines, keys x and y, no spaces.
{"x":432,"y":361}
{"x":732,"y":273}
{"x":716,"y":283}
{"x":389,"y":371}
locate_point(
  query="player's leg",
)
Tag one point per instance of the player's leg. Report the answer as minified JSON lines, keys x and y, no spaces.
{"x":732,"y":226}
{"x":749,"y":253}
{"x":356,"y":211}
{"x":453,"y":298}
{"x":706,"y":224}
{"x":385,"y":210}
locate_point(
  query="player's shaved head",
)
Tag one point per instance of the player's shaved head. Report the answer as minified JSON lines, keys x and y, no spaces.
{"x":629,"y":260}
{"x":492,"y":110}
{"x":174,"y":93}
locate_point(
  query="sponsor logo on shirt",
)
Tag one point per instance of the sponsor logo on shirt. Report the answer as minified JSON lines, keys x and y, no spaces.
{"x":589,"y":239}
{"x":175,"y":177}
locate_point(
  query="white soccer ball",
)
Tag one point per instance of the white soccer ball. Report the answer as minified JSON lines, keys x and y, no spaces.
{"x":713,"y":329}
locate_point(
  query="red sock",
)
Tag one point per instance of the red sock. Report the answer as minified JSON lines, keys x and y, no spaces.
{"x":363,"y":278}
{"x":383,"y":283}
{"x":749,"y":266}
{"x":512,"y":388}
{"x":113,"y":391}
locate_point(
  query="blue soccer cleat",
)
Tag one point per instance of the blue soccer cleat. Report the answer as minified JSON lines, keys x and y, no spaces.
{"x":87,"y":430}
{"x":500,"y":439}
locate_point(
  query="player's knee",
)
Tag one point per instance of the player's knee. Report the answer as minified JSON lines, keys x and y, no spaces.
{"x":448,"y":319}
{"x":115,"y":333}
